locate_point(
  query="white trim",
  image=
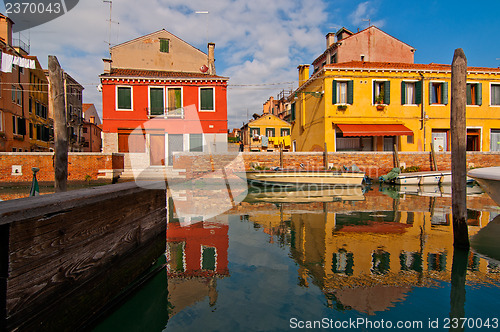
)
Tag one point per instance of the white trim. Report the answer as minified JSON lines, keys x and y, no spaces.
{"x":414,"y":91}
{"x":131,"y":98}
{"x":374,"y":80}
{"x":493,"y":83}
{"x":199,"y":98}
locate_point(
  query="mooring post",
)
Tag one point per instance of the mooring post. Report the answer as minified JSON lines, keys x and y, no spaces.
{"x":325,"y":158}
{"x":396,"y":157}
{"x":58,"y":105}
{"x":458,"y":149}
{"x":281,"y":155}
{"x":433,"y":157}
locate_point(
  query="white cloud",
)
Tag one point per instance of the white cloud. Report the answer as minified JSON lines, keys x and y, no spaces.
{"x":258,"y":41}
{"x":365,"y":11}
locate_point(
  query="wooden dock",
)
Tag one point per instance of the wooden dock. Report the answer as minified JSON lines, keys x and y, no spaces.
{"x":64,"y":257}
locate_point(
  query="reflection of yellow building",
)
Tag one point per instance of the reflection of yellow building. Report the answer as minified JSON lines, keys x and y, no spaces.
{"x":366,"y":258}
{"x":266,"y":133}
{"x":372,"y":106}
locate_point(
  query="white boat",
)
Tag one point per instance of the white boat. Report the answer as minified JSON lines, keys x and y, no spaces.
{"x":424,"y":178}
{"x":489,"y":179}
{"x":301,"y":178}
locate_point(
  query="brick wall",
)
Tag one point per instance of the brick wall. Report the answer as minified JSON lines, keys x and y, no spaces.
{"x":80,"y":164}
{"x":374,"y":164}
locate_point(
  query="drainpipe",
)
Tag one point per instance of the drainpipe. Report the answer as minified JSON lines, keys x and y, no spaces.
{"x":423,"y":114}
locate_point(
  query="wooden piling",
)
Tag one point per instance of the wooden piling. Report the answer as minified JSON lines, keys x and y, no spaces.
{"x":458,"y":149}
{"x":396,"y":157}
{"x":433,"y":157}
{"x":325,"y":158}
{"x":281,"y":155}
{"x":58,"y":105}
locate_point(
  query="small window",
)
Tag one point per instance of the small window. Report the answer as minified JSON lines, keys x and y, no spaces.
{"x":381,"y":92}
{"x":495,"y":94}
{"x":495,"y":140}
{"x":164,"y":45}
{"x":474,"y":94}
{"x":270,"y":132}
{"x":207,"y":99}
{"x":209,"y":258}
{"x":285,"y":132}
{"x":342,"y":92}
{"x":124,"y":97}
{"x":255,"y":132}
{"x":195,"y":142}
{"x":292,"y":112}
{"x":411,"y":93}
{"x":438,"y":93}
{"x":174,"y":96}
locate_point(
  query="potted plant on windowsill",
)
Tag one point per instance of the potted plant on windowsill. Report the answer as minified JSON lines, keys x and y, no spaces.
{"x":342,"y":107}
{"x":379,"y":101}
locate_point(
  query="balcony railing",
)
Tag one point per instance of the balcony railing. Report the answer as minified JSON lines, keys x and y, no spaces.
{"x":167,"y":113}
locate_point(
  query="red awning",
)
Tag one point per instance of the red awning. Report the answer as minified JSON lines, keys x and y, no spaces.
{"x":374,"y":130}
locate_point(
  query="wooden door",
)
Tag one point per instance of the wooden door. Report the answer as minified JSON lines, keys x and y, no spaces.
{"x":157,"y":150}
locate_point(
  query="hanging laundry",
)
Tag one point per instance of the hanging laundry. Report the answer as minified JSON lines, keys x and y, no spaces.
{"x":15,"y":60}
{"x":7,"y":60}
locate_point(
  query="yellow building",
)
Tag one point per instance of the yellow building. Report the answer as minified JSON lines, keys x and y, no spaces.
{"x":372,"y":106}
{"x":266,"y":133}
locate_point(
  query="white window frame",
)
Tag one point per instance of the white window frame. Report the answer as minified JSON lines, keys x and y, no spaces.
{"x":491,"y":84}
{"x":199,"y":98}
{"x":131,"y":98}
{"x":182,"y":101}
{"x":476,"y":83}
{"x":341,"y":82}
{"x":149,"y":100}
{"x":491,"y":132}
{"x":414,"y":82}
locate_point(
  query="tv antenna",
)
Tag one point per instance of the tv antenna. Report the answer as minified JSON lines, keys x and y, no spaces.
{"x":110,"y":22}
{"x":368,"y":20}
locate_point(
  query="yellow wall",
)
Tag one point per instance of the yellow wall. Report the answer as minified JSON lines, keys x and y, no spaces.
{"x":263,"y":123}
{"x":315,"y":117}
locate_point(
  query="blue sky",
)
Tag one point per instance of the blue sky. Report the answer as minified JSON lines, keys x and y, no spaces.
{"x":260,"y":43}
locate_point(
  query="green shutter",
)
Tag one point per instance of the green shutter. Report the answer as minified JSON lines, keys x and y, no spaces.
{"x":350,"y":92}
{"x":444,"y":93}
{"x":164,"y":45}
{"x":178,"y":98}
{"x":469,"y":94}
{"x":479,"y":94}
{"x":334,"y":92}
{"x":124,"y":98}
{"x":418,"y":92}
{"x":285,"y":132}
{"x":403,"y":92}
{"x":156,"y":101}
{"x":292,"y":112}
{"x":208,"y":259}
{"x":270,"y":130}
{"x":21,"y":126}
{"x":387,"y":92}
{"x":207,"y":99}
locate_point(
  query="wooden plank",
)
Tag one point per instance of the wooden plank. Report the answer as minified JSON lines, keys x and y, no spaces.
{"x":458,"y":150}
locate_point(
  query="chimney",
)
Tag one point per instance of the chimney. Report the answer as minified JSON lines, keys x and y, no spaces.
{"x":303,"y":73}
{"x":107,"y":65}
{"x":330,"y":39}
{"x":211,"y":58}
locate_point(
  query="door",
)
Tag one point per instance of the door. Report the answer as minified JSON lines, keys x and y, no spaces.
{"x":175,"y":144}
{"x":157,"y":150}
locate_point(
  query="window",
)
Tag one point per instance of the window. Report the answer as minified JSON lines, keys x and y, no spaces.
{"x":474,"y":94}
{"x":30,"y":105}
{"x":156,"y":101}
{"x":292,"y":112}
{"x":208,"y":261}
{"x":495,"y":94}
{"x":31,"y":130}
{"x":175,"y":102}
{"x":438,"y":93}
{"x":195,"y":143}
{"x":124,"y":98}
{"x":14,"y":90}
{"x":164,"y":45}
{"x":381,"y":92}
{"x":18,"y":125}
{"x":207,"y":99}
{"x":411,"y":93}
{"x":285,"y":132}
{"x":254,"y":132}
{"x":495,"y":140}
{"x":84,"y":130}
{"x":342,"y":92}
{"x":270,"y":132}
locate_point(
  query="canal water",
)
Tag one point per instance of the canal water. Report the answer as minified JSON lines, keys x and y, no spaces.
{"x":361,"y":260}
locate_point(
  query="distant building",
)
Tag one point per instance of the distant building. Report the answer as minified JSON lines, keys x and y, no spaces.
{"x":91,"y":130}
{"x":368,"y":45}
{"x":279,"y":107}
{"x":266,"y":133}
{"x":163,"y":81}
{"x":40,"y":131}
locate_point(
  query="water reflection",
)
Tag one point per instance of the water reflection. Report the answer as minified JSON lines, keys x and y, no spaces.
{"x":380,"y":257}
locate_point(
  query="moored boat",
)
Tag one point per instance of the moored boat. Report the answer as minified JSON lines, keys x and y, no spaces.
{"x":305,"y":178}
{"x":489,"y":179}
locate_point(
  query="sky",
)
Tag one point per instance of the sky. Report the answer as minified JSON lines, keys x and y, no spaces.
{"x":260,"y":43}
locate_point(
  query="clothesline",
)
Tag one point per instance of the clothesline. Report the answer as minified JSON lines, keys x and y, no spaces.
{"x":9,"y":60}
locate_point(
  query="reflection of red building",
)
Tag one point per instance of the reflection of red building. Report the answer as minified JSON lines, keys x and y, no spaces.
{"x":197,"y":250}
